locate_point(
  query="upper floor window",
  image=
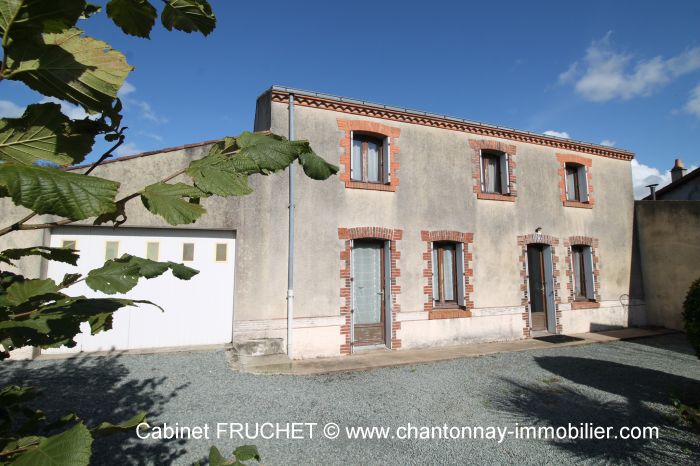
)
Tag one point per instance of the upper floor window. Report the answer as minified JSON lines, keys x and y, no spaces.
{"x":448,"y":274}
{"x":494,"y":172}
{"x":369,"y":162}
{"x":576,"y":183}
{"x":582,"y":264}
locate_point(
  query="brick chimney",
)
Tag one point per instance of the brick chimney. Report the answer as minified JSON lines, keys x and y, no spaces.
{"x":678,"y":171}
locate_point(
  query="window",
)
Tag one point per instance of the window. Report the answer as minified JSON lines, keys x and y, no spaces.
{"x":152,"y":250}
{"x":188,"y":251}
{"x":68,"y":244}
{"x":576,"y":183}
{"x":221,"y":252}
{"x":494,"y":172}
{"x":111,"y":250}
{"x":369,"y":162}
{"x":448,"y":274}
{"x":582,"y":265}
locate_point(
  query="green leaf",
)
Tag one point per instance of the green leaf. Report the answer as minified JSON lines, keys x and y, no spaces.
{"x":89,"y":10}
{"x":168,"y":201}
{"x":315,"y":167}
{"x":69,"y":256}
{"x":69,"y":66}
{"x":135,"y":17}
{"x":217,"y":174}
{"x":50,"y":191}
{"x":262,"y":153}
{"x":122,"y":274}
{"x":247,"y":452}
{"x":19,"y":292}
{"x":107,"y":428}
{"x":188,"y":16}
{"x":217,"y":459}
{"x":23,"y":17}
{"x":69,"y":448}
{"x":44,"y":133}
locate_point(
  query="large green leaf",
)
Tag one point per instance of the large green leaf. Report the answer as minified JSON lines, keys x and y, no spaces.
{"x":168,"y":201}
{"x":247,"y":452}
{"x":70,"y":448}
{"x":135,"y":17}
{"x":122,"y":274}
{"x":71,"y":67}
{"x":69,"y":256}
{"x":50,"y":191}
{"x":217,"y":174}
{"x":23,"y":17}
{"x":107,"y":428}
{"x":262,"y":153}
{"x":188,"y":16}
{"x":19,"y":292}
{"x":314,"y":166}
{"x":44,"y":133}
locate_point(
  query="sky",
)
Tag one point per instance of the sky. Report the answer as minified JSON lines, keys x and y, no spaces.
{"x":623,"y":73}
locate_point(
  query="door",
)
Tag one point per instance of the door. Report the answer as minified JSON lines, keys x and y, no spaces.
{"x":368,"y":292}
{"x":198,"y":311}
{"x":541,"y":280}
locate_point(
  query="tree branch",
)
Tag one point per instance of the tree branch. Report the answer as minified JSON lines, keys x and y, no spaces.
{"x":107,"y":154}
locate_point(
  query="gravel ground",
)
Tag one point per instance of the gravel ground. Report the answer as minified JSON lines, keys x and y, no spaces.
{"x":616,"y":384}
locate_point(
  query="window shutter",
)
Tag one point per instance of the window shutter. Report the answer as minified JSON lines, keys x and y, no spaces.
{"x":386,"y":154}
{"x":588,"y":270}
{"x":566,"y":183}
{"x":459,"y":262}
{"x":436,"y":291}
{"x":505,"y":186}
{"x":481,"y":172}
{"x":583,"y":183}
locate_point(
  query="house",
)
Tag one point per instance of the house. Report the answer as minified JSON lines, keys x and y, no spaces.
{"x":667,"y":238}
{"x":436,"y":231}
{"x":683,"y":186}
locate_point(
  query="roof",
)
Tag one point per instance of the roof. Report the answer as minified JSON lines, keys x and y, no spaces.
{"x":363,"y":107}
{"x":675,"y":184}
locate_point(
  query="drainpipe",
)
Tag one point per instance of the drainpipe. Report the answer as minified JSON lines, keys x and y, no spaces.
{"x":290,"y":256}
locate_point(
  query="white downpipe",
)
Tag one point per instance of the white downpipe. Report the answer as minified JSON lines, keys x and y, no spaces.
{"x":290,"y":257}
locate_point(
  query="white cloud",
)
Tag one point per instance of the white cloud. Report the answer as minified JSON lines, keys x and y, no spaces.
{"x":607,"y":142}
{"x":644,"y":175}
{"x":10,"y":109}
{"x":605,"y":73}
{"x":126,"y":89}
{"x":155,"y":137}
{"x":144,"y":108}
{"x":693,"y":105}
{"x":73,"y":112}
{"x":558,"y":134}
{"x":127,"y":149}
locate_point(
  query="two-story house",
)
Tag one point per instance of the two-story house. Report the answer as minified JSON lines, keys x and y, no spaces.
{"x":436,"y":231}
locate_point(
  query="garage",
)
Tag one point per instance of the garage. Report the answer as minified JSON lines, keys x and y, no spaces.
{"x":198,"y":311}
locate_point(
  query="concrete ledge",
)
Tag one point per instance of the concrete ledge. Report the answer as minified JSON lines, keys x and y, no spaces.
{"x":381,"y":358}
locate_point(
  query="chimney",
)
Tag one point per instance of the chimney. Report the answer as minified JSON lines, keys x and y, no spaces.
{"x":678,"y":171}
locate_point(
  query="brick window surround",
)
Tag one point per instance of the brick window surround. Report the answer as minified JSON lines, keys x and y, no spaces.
{"x":593,"y":244}
{"x":563,"y":159}
{"x":347,"y":235}
{"x":553,"y":242}
{"x":457,"y":237}
{"x":372,"y":128}
{"x":482,"y":144}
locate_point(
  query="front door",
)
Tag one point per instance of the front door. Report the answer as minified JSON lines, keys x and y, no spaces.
{"x":368,"y":292}
{"x":541,"y":282}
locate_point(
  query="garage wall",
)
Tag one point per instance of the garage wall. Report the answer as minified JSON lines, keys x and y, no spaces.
{"x":198,"y":311}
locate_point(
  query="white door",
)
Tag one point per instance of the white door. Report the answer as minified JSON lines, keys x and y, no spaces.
{"x":198,"y":311}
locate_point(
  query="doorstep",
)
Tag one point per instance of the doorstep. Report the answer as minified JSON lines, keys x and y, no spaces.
{"x":379,"y":359}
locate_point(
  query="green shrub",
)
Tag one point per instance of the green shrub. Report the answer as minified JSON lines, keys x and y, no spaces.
{"x":691,"y":315}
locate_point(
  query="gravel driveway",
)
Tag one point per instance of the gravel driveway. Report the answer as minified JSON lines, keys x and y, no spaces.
{"x":615,"y":384}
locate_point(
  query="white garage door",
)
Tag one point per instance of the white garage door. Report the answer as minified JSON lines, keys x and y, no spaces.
{"x":198,"y":311}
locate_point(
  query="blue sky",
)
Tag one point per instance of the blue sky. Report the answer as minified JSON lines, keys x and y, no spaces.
{"x":625,"y":73}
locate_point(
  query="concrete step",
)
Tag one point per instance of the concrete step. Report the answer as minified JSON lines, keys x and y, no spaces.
{"x":271,"y":363}
{"x":258,"y":347}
